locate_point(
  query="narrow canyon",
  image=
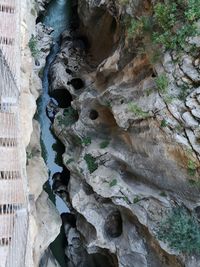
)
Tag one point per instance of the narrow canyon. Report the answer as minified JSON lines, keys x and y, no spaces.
{"x":113,"y":110}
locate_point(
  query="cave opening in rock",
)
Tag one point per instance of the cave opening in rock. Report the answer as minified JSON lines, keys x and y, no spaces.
{"x":83,"y":42}
{"x":93,"y":114}
{"x":101,"y":260}
{"x":114,"y":224}
{"x":77,"y":83}
{"x":68,"y":71}
{"x":63,"y":177}
{"x":63,"y":97}
{"x":68,"y":218}
{"x":153,"y":75}
{"x":100,"y":32}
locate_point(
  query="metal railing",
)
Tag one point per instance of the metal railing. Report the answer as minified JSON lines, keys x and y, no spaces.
{"x":13,"y":179}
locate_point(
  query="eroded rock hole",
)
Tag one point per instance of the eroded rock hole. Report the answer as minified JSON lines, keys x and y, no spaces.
{"x":153,"y":75}
{"x":61,"y":180}
{"x":93,"y":114}
{"x":68,"y":71}
{"x":63,"y":97}
{"x":77,"y":83}
{"x":101,"y":260}
{"x":58,"y":187}
{"x":83,"y":43}
{"x":68,"y":218}
{"x":114,"y":224}
{"x":79,"y":45}
{"x":113,"y":26}
{"x":88,"y":189}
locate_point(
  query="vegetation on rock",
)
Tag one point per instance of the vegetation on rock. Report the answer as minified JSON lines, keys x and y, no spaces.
{"x":86,"y":140}
{"x":104,"y":144}
{"x":162,"y":83}
{"x":169,"y":24}
{"x":192,"y":167}
{"x":68,"y":118}
{"x":137,"y":111}
{"x":33,"y":46}
{"x":113,"y":183}
{"x":91,"y":163}
{"x":181,"y":231}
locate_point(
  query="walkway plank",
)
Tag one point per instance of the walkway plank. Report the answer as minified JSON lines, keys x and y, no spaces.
{"x":8,"y":127}
{"x":11,"y":192}
{"x":9,"y":159}
{"x":6,"y":225}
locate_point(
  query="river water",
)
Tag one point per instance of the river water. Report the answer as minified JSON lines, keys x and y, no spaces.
{"x":56,"y":16}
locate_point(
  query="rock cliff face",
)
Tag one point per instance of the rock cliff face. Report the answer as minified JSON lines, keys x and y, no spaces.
{"x":133,"y":150}
{"x":42,"y":212}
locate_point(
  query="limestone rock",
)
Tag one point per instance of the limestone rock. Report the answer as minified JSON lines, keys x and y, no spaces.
{"x":44,"y":43}
{"x":36,"y":168}
{"x":188,"y":68}
{"x":189,"y":120}
{"x":41,"y":5}
{"x":49,"y":222}
{"x":113,"y":224}
{"x":139,"y":137}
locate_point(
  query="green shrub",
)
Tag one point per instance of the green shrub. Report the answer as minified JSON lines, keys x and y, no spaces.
{"x":192,"y":12}
{"x":162,"y":83}
{"x":194,"y":183}
{"x":33,"y":46}
{"x":113,"y":183}
{"x":86,"y":140}
{"x":181,"y":231}
{"x":91,"y":163}
{"x":137,"y":110}
{"x":175,"y":22}
{"x":104,"y":144}
{"x":68,"y":118}
{"x":163,"y":194}
{"x":70,"y":160}
{"x":191,"y":167}
{"x":163,"y":123}
{"x":169,"y":25}
{"x":135,"y":27}
{"x":136,"y":199}
{"x":184,"y":92}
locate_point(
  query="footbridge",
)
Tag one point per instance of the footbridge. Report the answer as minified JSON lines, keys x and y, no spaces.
{"x":13,"y":179}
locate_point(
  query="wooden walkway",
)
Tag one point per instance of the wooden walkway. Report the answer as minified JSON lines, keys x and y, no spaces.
{"x":13,"y":180}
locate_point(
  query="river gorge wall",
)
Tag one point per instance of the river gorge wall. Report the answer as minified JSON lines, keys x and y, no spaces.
{"x":132,"y":150}
{"x":42,"y":211}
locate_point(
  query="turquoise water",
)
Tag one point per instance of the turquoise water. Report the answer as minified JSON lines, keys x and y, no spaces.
{"x":57,"y":16}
